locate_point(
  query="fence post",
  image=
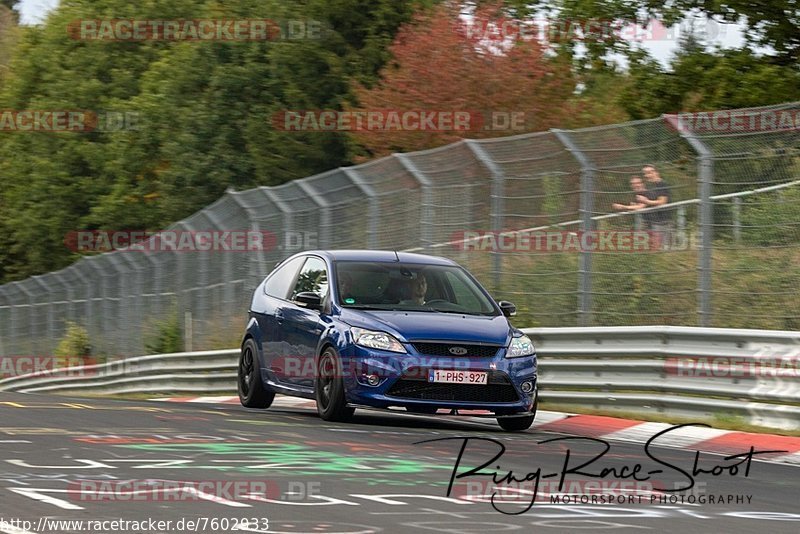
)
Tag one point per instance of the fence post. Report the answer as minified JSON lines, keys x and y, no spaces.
{"x":586,"y":210}
{"x":705,"y":173}
{"x":6,"y":305}
{"x":288,"y":219}
{"x":85,"y":317}
{"x":325,"y":222}
{"x":426,"y":224}
{"x":51,"y":326}
{"x":497,"y":204}
{"x":252,"y":271}
{"x":225,"y":258}
{"x":126,"y":271}
{"x":681,"y":219}
{"x":374,"y":210}
{"x":737,"y":219}
{"x":26,"y":325}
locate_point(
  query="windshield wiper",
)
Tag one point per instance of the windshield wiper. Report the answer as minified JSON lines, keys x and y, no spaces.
{"x":464,"y":312}
{"x":381,"y":308}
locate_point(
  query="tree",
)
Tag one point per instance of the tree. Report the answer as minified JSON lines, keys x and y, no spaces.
{"x":769,"y":23}
{"x":203,"y":110}
{"x":438,"y":66}
{"x":699,"y":80}
{"x":8,"y":35}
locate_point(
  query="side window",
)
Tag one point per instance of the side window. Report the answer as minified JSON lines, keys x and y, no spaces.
{"x":463,"y":294}
{"x":313,"y":277}
{"x":281,"y":280}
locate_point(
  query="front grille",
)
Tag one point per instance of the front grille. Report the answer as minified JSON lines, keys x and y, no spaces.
{"x":413,"y":386}
{"x":443,"y":349}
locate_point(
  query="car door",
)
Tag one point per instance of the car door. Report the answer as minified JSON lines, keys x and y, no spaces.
{"x":268,"y":312}
{"x":302,"y":326}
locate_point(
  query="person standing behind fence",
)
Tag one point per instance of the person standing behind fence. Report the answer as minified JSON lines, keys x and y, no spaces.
{"x":659,"y":194}
{"x":638,"y":188}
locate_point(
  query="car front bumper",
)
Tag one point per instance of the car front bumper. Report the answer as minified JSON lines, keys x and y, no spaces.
{"x":403,"y":381}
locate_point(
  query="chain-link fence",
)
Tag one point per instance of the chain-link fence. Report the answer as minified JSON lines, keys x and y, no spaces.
{"x":726,"y":252}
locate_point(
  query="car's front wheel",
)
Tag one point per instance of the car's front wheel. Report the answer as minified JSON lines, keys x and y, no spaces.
{"x":251,"y":390}
{"x":329,"y":388}
{"x":518,"y":424}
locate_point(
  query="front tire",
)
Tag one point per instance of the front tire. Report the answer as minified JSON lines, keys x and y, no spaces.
{"x":251,"y":390}
{"x":329,"y":388}
{"x":518,"y":424}
{"x":515,"y":424}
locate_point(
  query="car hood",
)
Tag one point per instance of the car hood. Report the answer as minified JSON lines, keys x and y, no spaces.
{"x":416,"y":326}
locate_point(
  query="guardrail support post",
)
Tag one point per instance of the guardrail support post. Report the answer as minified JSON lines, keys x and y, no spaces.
{"x":586,"y":210}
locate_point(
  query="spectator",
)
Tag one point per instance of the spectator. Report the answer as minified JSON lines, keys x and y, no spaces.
{"x":638,"y":188}
{"x":659,"y":195}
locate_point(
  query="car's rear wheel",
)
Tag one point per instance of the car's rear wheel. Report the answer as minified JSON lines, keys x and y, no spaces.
{"x":251,"y":390}
{"x":329,"y":388}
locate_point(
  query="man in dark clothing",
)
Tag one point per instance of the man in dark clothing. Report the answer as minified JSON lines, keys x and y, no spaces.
{"x":638,"y":188}
{"x":659,"y":194}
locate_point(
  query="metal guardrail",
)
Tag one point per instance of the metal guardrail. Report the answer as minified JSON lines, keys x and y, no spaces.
{"x":208,"y":371}
{"x":652,"y":370}
{"x":673,"y":371}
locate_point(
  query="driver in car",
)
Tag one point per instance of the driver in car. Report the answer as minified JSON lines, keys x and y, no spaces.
{"x":418,"y":288}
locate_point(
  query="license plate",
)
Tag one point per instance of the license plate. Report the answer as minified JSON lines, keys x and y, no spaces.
{"x":458,"y":377}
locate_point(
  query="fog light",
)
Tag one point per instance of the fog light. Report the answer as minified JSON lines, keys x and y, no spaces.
{"x":527,"y":386}
{"x":373,"y":380}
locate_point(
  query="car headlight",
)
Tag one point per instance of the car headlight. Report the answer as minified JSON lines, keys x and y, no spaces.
{"x":520,"y":346}
{"x":376,"y":340}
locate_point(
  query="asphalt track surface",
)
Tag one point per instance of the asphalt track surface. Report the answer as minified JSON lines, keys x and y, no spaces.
{"x":75,"y":459}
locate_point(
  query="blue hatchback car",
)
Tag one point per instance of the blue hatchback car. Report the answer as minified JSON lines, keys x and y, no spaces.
{"x":385,"y":330}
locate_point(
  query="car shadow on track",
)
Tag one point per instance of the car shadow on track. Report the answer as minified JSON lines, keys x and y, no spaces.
{"x":365,"y":420}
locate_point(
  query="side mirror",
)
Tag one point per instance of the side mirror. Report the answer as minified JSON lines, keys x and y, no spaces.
{"x":508,"y":308}
{"x":309,"y":299}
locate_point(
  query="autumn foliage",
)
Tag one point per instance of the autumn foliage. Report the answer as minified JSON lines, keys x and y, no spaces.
{"x":443,"y":63}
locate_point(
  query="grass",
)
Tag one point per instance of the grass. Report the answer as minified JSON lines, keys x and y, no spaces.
{"x":750,"y":288}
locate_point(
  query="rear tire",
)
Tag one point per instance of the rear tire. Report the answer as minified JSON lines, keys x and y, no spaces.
{"x":329,"y":388}
{"x":251,"y":390}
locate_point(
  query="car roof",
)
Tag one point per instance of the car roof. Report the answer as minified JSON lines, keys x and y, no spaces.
{"x":382,"y":256}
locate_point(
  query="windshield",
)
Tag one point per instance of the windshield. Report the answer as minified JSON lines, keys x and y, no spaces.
{"x":410,"y":287}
